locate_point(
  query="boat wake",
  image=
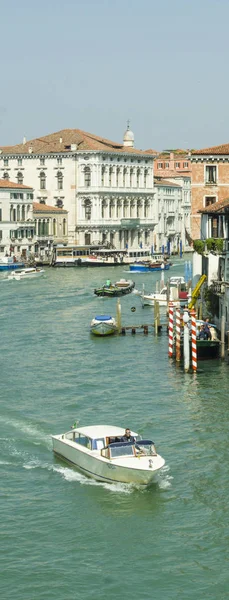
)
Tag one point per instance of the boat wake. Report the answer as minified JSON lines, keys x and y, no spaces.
{"x":32,"y":431}
{"x":163,"y":479}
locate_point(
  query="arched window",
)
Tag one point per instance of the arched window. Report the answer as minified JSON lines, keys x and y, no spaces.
{"x":124,"y":176}
{"x":103,"y":208}
{"x":87,"y":208}
{"x":138,"y":177}
{"x":43,"y":227}
{"x":47,"y":228}
{"x":125,"y":207}
{"x":139,"y":205}
{"x":20,"y":177}
{"x":119,"y":209}
{"x":54,"y":226}
{"x":131,"y":176}
{"x":145,"y":177}
{"x":103,"y":175}
{"x":60,"y":180}
{"x":111,"y":209}
{"x":110,"y":176}
{"x":59,"y":203}
{"x":23,"y":213}
{"x":42,"y":181}
{"x":6,"y":176}
{"x":64,"y":227}
{"x":117,"y":176}
{"x":132,"y":208}
{"x":146,"y":208}
{"x":18,"y":212}
{"x":87,"y":176}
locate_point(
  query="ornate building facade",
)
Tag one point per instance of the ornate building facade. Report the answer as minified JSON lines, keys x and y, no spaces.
{"x":107,"y":188}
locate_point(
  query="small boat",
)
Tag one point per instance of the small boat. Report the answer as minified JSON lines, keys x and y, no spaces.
{"x":148,"y":267}
{"x":9,"y":263}
{"x":103,"y":325}
{"x":119,"y":288}
{"x":29,"y":273}
{"x":175,"y":295}
{"x":99,"y":452}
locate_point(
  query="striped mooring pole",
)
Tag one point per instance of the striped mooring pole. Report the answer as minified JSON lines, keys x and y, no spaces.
{"x":193,"y":334}
{"x":178,"y":334}
{"x":171,"y":312}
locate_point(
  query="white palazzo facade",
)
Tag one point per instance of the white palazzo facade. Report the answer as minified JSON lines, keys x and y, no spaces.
{"x":107,"y":188}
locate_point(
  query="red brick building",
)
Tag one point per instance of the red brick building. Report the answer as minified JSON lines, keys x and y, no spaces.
{"x":171,"y":164}
{"x":210,"y":182}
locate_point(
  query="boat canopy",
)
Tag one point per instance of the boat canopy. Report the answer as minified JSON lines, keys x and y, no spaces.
{"x":103,"y":318}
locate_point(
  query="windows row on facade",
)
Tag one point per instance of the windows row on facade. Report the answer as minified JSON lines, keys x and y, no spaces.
{"x":118,"y":209}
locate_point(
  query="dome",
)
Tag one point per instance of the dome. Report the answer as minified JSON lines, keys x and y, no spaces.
{"x":128,"y":138}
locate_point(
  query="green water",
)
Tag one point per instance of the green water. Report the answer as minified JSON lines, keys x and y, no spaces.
{"x":65,"y":536}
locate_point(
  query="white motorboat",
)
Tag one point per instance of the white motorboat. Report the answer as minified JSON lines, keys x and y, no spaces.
{"x":29,"y":273}
{"x":160,"y":297}
{"x":99,"y":452}
{"x":174,"y":290}
{"x":103,"y":325}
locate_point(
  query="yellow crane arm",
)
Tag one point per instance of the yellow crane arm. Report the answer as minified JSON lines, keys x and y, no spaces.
{"x":196,"y":291}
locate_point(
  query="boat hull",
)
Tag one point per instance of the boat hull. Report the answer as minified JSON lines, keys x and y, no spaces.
{"x":114,"y":291}
{"x":103,"y":329}
{"x":102,"y":469}
{"x":11,"y":266}
{"x":148,"y":268}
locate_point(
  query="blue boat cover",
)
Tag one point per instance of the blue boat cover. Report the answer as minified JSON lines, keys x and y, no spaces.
{"x":103,"y":318}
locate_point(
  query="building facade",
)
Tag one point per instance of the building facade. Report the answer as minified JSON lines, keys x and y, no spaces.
{"x":17,"y":226}
{"x":210,"y":182}
{"x":107,"y":188}
{"x":50,"y":227}
{"x":173,"y":163}
{"x":173,"y":200}
{"x":27,"y":227}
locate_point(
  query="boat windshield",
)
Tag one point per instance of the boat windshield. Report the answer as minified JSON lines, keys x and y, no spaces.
{"x":145,"y":447}
{"x":121,"y":449}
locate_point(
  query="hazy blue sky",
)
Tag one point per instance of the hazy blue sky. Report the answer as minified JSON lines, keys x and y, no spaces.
{"x":93,"y":64}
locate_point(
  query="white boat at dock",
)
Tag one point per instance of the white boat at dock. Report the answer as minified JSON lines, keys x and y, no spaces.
{"x":100,"y":452}
{"x":174,"y":290}
{"x":103,"y":325}
{"x":28,"y":273}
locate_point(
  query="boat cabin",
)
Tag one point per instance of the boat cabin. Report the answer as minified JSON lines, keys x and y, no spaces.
{"x":121,"y":449}
{"x":112,"y":446}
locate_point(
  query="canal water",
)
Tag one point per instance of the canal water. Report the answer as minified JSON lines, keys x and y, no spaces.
{"x":65,"y":536}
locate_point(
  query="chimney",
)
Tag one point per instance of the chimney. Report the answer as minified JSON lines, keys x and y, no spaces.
{"x":61,"y":140}
{"x":24,"y":140}
{"x":73,"y":147}
{"x":30,"y":149}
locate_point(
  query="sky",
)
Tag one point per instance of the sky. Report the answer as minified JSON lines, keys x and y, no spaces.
{"x":93,"y":64}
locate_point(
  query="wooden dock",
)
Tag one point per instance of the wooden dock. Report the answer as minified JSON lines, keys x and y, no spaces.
{"x":145,"y":329}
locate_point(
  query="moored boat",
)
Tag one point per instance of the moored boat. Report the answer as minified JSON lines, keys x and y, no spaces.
{"x":119,"y":288}
{"x":100,"y":452}
{"x":8,"y":263}
{"x":28,"y":273}
{"x":103,"y":325}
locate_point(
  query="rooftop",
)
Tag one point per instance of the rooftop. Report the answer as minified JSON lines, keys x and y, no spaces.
{"x":164,"y":183}
{"x":217,"y":207}
{"x":6,"y":184}
{"x":222,"y":149}
{"x":40,"y":207}
{"x":61,"y":141}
